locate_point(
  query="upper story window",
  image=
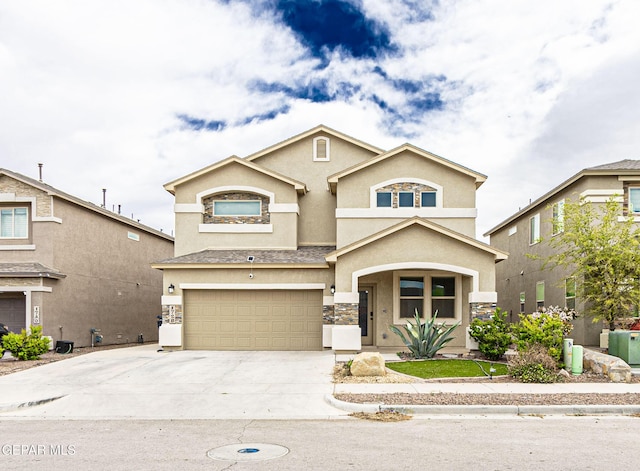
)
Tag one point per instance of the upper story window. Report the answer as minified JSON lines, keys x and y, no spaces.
{"x":513,"y":230}
{"x":237,"y":208}
{"x":428,"y":199}
{"x":558,"y":217}
{"x":321,"y":149}
{"x":570,"y":293}
{"x":534,"y":229}
{"x":384,"y":199}
{"x":634,"y":200}
{"x":406,"y":199}
{"x":406,"y":194}
{"x":14,"y":223}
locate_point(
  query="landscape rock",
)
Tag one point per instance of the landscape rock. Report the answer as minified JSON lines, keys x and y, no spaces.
{"x":368,"y":364}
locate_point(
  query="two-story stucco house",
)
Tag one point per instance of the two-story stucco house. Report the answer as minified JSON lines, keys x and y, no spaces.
{"x":523,"y":286}
{"x":72,"y":266}
{"x":322,"y":240}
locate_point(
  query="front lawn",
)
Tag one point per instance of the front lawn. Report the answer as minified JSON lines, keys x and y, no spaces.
{"x":446,"y":368}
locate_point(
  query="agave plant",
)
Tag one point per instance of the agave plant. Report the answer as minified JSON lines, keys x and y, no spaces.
{"x":425,"y":339}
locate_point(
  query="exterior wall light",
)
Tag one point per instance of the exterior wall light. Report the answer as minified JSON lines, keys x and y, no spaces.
{"x":333,"y":289}
{"x":171,"y":288}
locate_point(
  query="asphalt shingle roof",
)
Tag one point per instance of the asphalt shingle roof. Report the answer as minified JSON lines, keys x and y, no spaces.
{"x":626,"y":164}
{"x":311,"y":254}
{"x":28,"y":269}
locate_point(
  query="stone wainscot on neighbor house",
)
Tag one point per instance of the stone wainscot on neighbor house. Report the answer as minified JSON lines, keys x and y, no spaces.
{"x":523,"y":286}
{"x":71,"y":266}
{"x":323,"y":241}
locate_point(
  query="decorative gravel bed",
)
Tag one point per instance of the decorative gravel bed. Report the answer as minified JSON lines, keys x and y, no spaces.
{"x":454,"y":399}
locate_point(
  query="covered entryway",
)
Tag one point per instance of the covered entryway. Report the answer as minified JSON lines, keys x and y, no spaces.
{"x":253,"y":319}
{"x":13,"y":311}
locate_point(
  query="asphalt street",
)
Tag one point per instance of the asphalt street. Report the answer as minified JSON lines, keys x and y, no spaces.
{"x":443,"y":443}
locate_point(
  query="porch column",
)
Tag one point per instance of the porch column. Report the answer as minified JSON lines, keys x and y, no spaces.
{"x":346,"y":333}
{"x":481,"y":304}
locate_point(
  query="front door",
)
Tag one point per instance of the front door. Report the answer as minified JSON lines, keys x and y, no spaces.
{"x":365,"y":314}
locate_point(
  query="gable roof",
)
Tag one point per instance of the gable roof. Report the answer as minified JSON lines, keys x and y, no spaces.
{"x":499,"y":254}
{"x":171,"y":186}
{"x":51,"y":191}
{"x":621,"y":167}
{"x":333,"y":179}
{"x":320,"y":128}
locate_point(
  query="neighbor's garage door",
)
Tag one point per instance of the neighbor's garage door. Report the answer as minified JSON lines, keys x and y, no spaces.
{"x":253,"y":320}
{"x":12,"y":311}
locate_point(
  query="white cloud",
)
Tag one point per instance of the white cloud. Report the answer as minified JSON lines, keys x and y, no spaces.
{"x":534,"y":91}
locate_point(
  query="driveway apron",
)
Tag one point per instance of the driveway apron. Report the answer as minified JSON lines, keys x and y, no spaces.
{"x":142,"y":383}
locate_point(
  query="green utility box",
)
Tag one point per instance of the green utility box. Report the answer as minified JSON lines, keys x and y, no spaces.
{"x":629,"y":346}
{"x":614,"y":342}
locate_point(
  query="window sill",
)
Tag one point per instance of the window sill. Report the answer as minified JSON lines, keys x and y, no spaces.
{"x":235,"y":228}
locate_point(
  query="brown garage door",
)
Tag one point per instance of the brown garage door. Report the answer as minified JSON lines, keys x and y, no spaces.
{"x":253,"y":320}
{"x":12,"y":311}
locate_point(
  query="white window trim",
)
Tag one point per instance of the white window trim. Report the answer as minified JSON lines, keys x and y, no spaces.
{"x":538,"y":283}
{"x":534,"y":238}
{"x":315,"y":149}
{"x":13,"y":236}
{"x":427,"y":308}
{"x":559,"y":221}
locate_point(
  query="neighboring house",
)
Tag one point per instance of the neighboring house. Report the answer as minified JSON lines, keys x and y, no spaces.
{"x":323,"y":240}
{"x":522,"y":285}
{"x":72,"y":266}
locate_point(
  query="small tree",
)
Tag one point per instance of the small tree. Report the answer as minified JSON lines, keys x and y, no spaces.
{"x":603,"y":253}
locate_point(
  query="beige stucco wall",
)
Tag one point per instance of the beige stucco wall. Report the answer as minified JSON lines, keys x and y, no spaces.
{"x":354,"y":192}
{"x":188,"y":237}
{"x":382,"y":284}
{"x":317,"y":224}
{"x":415,"y":245}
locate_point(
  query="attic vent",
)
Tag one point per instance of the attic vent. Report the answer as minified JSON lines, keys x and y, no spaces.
{"x":321,"y":149}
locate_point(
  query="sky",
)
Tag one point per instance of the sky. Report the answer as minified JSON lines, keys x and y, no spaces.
{"x":129,"y":95}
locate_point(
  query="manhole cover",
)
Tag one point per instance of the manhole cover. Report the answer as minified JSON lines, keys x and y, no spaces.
{"x":247,"y":452}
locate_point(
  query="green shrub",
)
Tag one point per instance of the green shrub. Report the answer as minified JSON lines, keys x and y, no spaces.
{"x":493,"y":335}
{"x":425,"y":339}
{"x":26,"y":346}
{"x":542,"y":329}
{"x":534,"y":365}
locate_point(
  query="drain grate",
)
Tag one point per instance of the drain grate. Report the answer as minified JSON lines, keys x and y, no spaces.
{"x":247,"y":452}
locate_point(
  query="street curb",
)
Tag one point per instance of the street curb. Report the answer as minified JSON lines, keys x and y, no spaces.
{"x":26,"y":405}
{"x":575,"y":410}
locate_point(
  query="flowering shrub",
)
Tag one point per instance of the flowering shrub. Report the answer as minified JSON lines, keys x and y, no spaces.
{"x":493,"y":335}
{"x":543,"y":328}
{"x":565,"y":314}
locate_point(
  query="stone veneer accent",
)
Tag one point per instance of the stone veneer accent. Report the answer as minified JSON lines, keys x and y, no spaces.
{"x":417,"y":188}
{"x":209,"y":218}
{"x":346,"y":314}
{"x":328,"y":315}
{"x":43,"y":201}
{"x":480,"y":310}
{"x":166,"y":314}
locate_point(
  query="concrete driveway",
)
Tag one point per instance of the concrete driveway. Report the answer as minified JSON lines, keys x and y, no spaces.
{"x":142,"y":383}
